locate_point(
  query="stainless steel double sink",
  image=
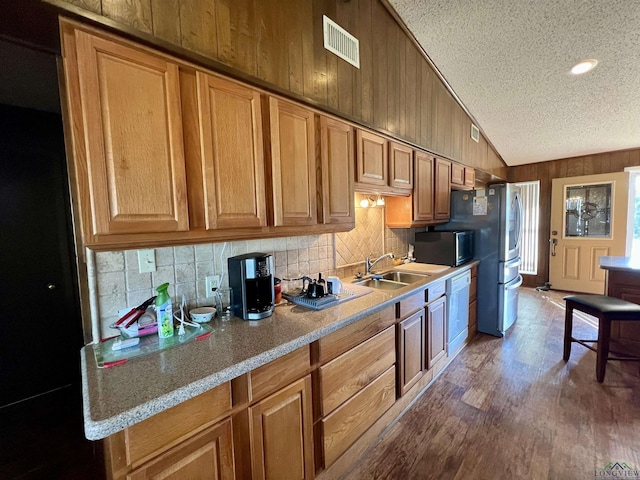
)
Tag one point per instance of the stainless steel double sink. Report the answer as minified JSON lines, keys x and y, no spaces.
{"x":390,"y":280}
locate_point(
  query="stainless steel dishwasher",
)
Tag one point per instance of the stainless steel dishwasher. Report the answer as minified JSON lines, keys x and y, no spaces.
{"x":458,"y":307}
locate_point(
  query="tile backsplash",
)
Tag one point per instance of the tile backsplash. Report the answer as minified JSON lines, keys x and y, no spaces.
{"x":117,"y":283}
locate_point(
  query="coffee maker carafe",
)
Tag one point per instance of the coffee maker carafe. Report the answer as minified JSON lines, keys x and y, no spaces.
{"x":251,"y":282}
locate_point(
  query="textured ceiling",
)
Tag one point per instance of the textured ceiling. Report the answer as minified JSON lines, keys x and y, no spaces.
{"x":508,"y":61}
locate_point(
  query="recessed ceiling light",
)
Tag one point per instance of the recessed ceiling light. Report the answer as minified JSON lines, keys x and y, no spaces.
{"x":584,"y":67}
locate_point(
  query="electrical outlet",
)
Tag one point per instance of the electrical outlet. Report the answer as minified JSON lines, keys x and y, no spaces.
{"x":211,"y":282}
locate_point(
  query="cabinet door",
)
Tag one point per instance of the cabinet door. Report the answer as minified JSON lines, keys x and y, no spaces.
{"x":371,"y":159}
{"x":423,"y":192}
{"x":293,"y":167}
{"x":400,"y":166}
{"x":281,"y":434}
{"x":232,"y":153}
{"x":436,"y":341}
{"x":469,"y":177}
{"x":207,"y":455}
{"x":338,"y":165}
{"x":457,"y":174}
{"x":443,"y":189}
{"x":410,"y":351}
{"x":135,"y":165}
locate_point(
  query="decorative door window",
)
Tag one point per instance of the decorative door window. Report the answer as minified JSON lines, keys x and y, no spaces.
{"x":588,"y":211}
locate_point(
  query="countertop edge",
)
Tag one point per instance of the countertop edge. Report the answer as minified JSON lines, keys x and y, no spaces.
{"x":623,"y":264}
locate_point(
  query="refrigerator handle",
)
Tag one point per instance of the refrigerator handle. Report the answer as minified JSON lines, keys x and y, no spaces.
{"x":518,"y":212}
{"x":515,"y":285}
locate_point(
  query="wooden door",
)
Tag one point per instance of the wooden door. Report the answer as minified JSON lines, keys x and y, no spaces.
{"x":410,"y":351}
{"x":423,"y":192}
{"x":338,"y":167}
{"x":400,"y":166}
{"x":588,"y":220}
{"x":130,"y":103}
{"x":293,"y":164}
{"x":436,"y":341}
{"x":371,"y":159}
{"x":207,"y":455}
{"x":457,"y":175}
{"x":281,"y":434}
{"x":469,"y":177}
{"x":442,"y":189}
{"x":232,"y":153}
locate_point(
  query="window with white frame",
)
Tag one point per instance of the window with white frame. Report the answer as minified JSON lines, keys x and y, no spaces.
{"x":530,"y":194}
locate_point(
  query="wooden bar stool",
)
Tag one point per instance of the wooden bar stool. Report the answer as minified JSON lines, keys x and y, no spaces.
{"x":605,"y":309}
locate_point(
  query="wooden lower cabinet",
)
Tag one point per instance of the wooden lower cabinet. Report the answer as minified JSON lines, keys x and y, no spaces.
{"x":207,"y":455}
{"x":410,"y":351}
{"x":281,"y":434}
{"x":436,"y":331}
{"x":346,"y":375}
{"x":342,"y":427}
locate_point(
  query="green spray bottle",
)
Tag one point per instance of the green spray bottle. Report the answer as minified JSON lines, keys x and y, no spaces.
{"x":164,"y":313}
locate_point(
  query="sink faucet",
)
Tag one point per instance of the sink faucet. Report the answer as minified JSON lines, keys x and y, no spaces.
{"x":368,"y":264}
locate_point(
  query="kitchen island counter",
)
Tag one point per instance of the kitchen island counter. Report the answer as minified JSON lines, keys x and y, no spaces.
{"x":623,"y":264}
{"x":118,"y":397}
{"x":623,"y":281}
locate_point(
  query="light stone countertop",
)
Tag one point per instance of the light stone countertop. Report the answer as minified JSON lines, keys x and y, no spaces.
{"x":625,"y":264}
{"x":123,"y":395}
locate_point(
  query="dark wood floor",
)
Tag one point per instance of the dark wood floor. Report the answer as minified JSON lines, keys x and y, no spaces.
{"x":43,"y":439}
{"x":513,"y":409}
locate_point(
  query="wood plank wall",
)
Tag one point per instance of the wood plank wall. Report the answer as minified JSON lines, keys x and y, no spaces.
{"x":280,"y":42}
{"x":566,"y":167}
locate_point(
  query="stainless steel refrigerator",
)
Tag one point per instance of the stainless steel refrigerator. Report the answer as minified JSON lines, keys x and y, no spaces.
{"x":495,"y":214}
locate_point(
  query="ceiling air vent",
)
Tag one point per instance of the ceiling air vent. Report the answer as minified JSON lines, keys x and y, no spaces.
{"x":475,"y":133}
{"x":341,"y":42}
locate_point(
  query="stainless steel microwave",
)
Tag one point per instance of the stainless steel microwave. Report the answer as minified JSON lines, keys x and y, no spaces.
{"x":452,"y":248}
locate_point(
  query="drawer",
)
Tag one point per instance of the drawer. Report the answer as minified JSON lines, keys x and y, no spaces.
{"x":435,"y":290}
{"x":410,"y":304}
{"x":279,"y":373}
{"x":345,"y":376}
{"x":168,"y":428}
{"x":346,"y":338}
{"x":347,"y":423}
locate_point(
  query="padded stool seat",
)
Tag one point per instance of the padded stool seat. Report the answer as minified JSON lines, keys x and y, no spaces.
{"x":605,"y":309}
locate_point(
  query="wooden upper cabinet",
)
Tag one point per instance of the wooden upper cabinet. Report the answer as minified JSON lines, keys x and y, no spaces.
{"x":469,"y":177}
{"x":457,"y":174}
{"x":371,"y":159}
{"x":462,"y":178}
{"x":423,"y":196}
{"x":442,"y":189}
{"x":400,"y":166}
{"x":132,"y":135}
{"x":418,"y":209}
{"x":293,"y":164}
{"x":232,"y":153}
{"x":338,"y":165}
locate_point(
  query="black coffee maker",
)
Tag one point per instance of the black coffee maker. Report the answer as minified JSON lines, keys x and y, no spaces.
{"x":251,"y":282}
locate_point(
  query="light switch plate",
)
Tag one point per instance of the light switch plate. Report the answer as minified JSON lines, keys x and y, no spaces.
{"x":147,"y":260}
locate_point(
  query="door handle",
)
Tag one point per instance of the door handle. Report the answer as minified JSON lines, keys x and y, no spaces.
{"x":553,"y":242}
